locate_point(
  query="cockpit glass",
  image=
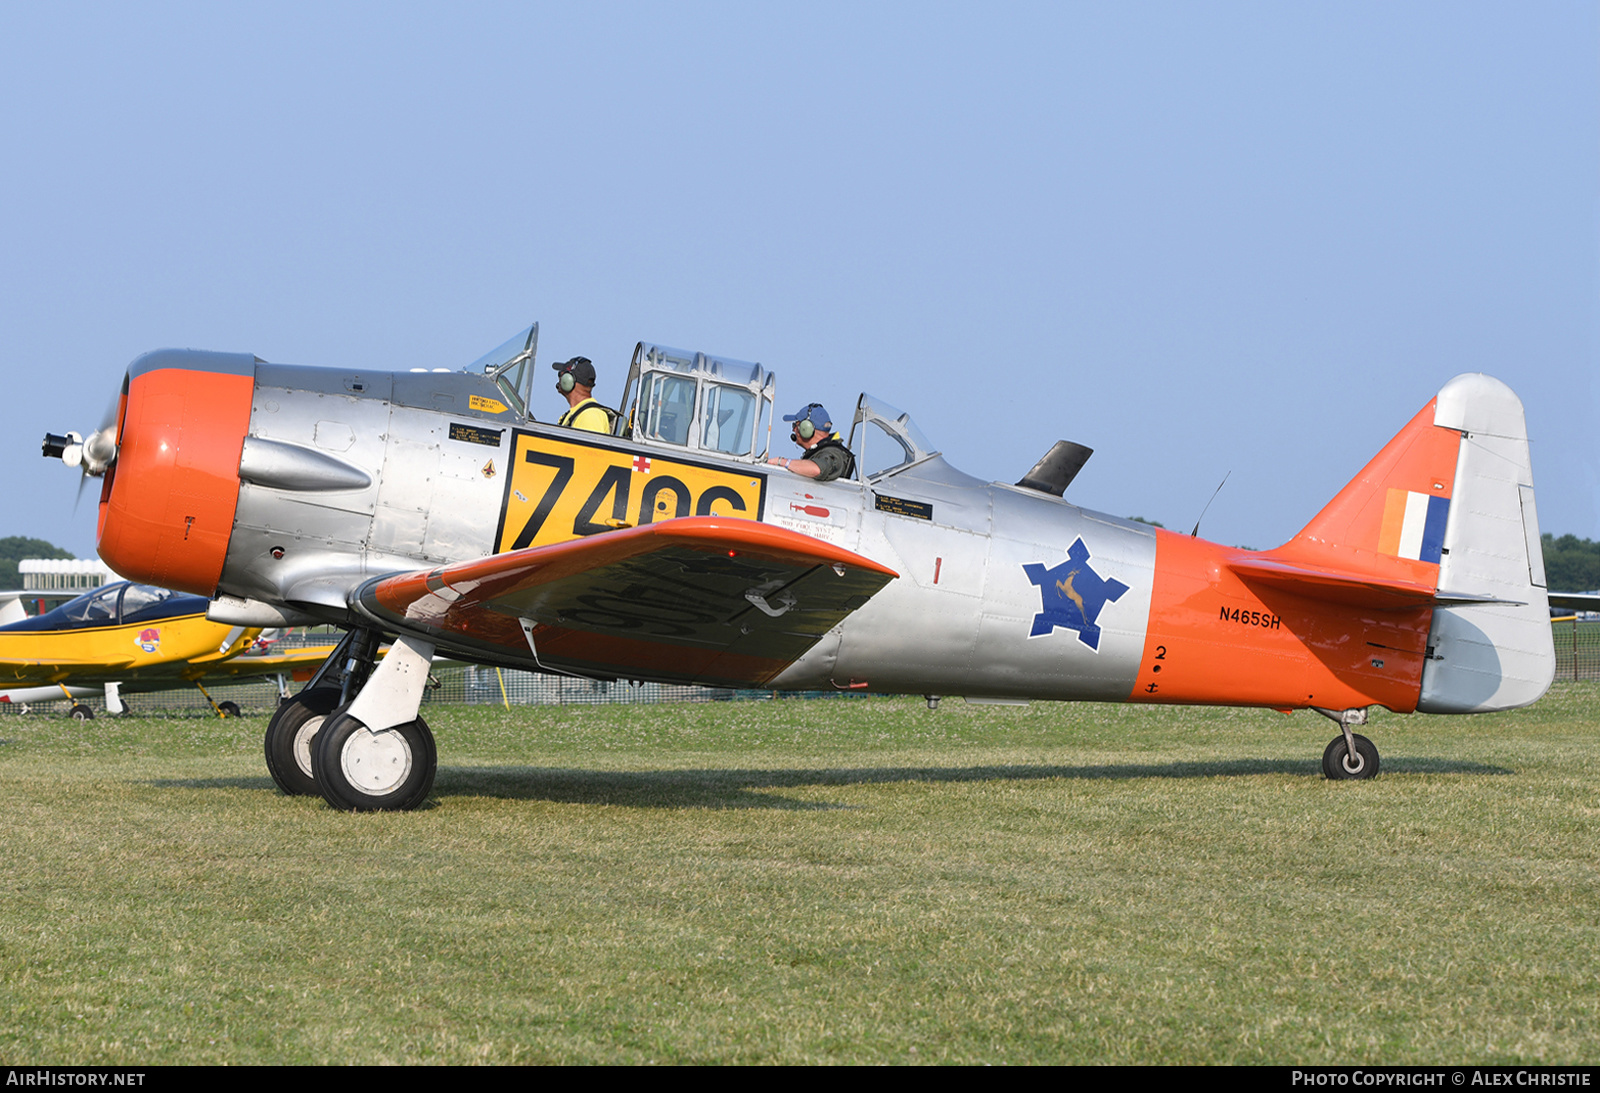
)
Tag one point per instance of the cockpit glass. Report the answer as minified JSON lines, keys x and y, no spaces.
{"x":885,"y":438}
{"x":508,"y":350}
{"x":93,"y":607}
{"x":668,"y":407}
{"x":509,"y":363}
{"x":730,"y":421}
{"x":882,"y":451}
{"x":697,"y":401}
{"x":741,"y":372}
{"x":143,"y":601}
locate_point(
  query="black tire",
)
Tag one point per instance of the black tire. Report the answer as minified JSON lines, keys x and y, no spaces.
{"x":289,"y":739}
{"x":80,"y":712}
{"x":1339,"y":766}
{"x":229,"y":709}
{"x":358,"y":770}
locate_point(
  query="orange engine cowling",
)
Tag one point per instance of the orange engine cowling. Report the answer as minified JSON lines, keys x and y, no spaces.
{"x":167,"y":503}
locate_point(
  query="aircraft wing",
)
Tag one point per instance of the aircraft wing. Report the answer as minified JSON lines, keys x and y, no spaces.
{"x":24,"y":671}
{"x":706,"y":600}
{"x":297,"y":663}
{"x":1576,"y":601}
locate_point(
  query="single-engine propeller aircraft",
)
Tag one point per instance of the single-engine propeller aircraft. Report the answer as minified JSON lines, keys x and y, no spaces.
{"x":431,"y":506}
{"x":126,"y":638}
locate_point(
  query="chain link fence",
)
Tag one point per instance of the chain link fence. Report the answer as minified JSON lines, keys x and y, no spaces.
{"x":1577,"y":643}
{"x":1577,"y":648}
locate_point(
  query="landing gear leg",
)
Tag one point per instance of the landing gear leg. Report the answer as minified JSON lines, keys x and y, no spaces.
{"x":297,"y":720}
{"x":376,"y":754}
{"x":1349,"y":755}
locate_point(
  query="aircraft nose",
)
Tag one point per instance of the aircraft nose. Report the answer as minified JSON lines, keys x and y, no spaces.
{"x":168,"y":501}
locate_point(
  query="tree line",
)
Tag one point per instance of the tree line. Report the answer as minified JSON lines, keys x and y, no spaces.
{"x":1571,"y":564}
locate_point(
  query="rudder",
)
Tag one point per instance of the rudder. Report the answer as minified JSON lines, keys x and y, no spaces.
{"x":1494,"y":656}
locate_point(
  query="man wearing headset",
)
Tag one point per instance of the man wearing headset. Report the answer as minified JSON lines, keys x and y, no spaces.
{"x":575,"y":383}
{"x":826,"y":456}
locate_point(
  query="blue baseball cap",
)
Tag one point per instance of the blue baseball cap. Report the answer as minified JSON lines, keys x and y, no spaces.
{"x":816,"y":414}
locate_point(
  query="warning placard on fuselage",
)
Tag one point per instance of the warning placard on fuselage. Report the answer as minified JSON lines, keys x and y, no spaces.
{"x":560,"y":489}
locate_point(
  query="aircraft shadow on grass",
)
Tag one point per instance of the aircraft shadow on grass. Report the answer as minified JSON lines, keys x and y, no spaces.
{"x":745,"y":788}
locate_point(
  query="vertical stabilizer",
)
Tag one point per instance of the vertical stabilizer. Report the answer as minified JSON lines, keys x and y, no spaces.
{"x":1389,"y":522}
{"x":1490,"y":656}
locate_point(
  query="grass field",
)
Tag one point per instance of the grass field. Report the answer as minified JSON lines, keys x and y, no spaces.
{"x":849,"y":881}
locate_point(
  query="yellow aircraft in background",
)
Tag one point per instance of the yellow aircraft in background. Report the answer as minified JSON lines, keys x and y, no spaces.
{"x":131,"y":638}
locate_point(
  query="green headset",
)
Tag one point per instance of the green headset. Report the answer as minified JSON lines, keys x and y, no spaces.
{"x":804,"y":428}
{"x":565,"y":378}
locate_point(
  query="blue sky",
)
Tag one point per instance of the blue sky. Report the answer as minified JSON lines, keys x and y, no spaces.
{"x":1199,"y":238}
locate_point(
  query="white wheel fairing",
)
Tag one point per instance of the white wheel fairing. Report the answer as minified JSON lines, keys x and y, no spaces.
{"x":375,"y":763}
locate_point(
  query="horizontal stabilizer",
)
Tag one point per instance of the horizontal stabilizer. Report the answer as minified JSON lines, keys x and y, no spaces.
{"x":1334,"y":585}
{"x":1356,"y":589}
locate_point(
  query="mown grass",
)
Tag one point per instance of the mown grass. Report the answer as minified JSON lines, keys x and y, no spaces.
{"x":849,"y":881}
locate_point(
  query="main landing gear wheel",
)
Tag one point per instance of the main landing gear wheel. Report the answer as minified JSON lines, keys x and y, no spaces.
{"x":293,"y":727}
{"x":364,"y":771}
{"x":80,"y":712}
{"x":1339,"y":765}
{"x":229,"y":709}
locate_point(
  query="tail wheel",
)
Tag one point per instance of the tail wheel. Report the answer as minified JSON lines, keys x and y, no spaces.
{"x":364,"y":771}
{"x":1338,"y":764}
{"x":290,"y":733}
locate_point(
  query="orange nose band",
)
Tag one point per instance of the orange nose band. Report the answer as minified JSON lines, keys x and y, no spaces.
{"x":166,"y":509}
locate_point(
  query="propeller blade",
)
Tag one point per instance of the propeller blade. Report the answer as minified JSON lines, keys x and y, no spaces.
{"x":83,"y":480}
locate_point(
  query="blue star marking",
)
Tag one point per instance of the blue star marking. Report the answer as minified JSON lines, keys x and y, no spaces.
{"x":1073,"y":595}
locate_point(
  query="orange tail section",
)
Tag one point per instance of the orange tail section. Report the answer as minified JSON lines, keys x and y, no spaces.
{"x":1418,"y":586}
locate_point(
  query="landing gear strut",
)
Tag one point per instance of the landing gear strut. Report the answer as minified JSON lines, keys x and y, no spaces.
{"x":1348,"y":755}
{"x":353,"y":734}
{"x":297,"y":720}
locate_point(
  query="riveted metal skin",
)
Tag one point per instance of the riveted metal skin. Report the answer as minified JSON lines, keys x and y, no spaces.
{"x":429,"y":504}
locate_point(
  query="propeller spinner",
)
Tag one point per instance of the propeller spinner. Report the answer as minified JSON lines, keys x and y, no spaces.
{"x":94,"y":454}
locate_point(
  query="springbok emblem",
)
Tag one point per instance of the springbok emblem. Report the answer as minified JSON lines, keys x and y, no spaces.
{"x":1073,"y":595}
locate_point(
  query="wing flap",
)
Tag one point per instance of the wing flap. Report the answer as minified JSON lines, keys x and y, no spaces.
{"x":699,"y":600}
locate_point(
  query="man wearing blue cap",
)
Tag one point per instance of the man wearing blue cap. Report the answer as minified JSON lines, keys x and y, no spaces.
{"x":826,"y":456}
